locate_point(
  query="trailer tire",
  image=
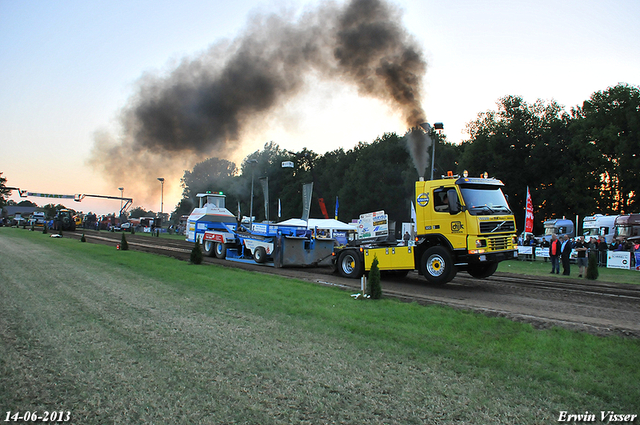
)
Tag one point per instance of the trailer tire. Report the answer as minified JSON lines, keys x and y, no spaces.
{"x":482,"y":270}
{"x":349,"y":265}
{"x":220,"y":250}
{"x":437,"y":265}
{"x":260,"y":255}
{"x":207,"y":248}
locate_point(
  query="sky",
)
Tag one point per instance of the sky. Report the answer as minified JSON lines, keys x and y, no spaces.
{"x":69,"y":69}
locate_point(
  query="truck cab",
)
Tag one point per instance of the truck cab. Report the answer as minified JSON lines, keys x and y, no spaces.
{"x":211,"y":224}
{"x":462,"y":224}
{"x":627,"y":226}
{"x":599,"y":225}
{"x":558,"y":226}
{"x":465,"y":221}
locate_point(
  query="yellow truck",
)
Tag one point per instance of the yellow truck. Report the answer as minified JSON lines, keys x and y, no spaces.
{"x":462,"y":224}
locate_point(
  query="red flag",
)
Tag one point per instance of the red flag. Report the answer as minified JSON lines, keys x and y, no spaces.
{"x":528,"y":218}
{"x":323,"y":207}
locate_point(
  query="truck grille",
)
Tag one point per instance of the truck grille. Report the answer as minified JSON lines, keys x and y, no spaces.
{"x":497,"y":226}
{"x":499,"y":244}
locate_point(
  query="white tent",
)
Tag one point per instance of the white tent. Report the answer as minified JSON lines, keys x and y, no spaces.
{"x":320,"y":223}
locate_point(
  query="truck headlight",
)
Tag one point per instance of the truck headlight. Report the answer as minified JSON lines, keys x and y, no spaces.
{"x":481,"y":243}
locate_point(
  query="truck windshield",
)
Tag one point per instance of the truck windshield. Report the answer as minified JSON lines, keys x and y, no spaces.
{"x":591,"y":232}
{"x":485,"y":200}
{"x":550,"y":230}
{"x":627,"y":231}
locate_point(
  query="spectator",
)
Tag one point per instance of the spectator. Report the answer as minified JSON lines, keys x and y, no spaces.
{"x":602,"y":252}
{"x":613,"y":246}
{"x":554,"y":254}
{"x":581,"y":249}
{"x":565,"y":253}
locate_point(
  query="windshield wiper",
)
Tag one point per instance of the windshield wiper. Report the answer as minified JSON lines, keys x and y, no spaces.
{"x":483,"y":208}
{"x":502,"y":207}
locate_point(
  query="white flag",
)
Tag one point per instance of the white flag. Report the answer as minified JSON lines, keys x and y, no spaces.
{"x":413,"y":214}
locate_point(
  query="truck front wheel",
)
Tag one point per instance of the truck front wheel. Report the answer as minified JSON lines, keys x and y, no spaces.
{"x":437,"y":265}
{"x":482,"y":270}
{"x":349,"y":265}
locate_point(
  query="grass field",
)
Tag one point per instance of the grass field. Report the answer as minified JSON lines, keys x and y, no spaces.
{"x":127,"y":337}
{"x":542,"y":268}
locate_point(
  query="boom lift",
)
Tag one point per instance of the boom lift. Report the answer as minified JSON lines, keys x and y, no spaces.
{"x":77,"y":197}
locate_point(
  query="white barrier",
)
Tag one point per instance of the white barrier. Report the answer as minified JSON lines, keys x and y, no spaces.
{"x":525,"y":250}
{"x":619,"y":260}
{"x":542,"y":252}
{"x":615,"y":259}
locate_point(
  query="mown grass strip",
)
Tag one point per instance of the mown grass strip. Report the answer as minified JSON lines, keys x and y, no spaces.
{"x":543,"y":268}
{"x":121,"y":333}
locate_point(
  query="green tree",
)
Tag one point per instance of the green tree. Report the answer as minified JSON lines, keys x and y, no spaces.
{"x":376,"y":179}
{"x":27,"y":203}
{"x":196,"y":255}
{"x":592,"y":268}
{"x":211,"y":174}
{"x":138,"y":212}
{"x":4,"y":192}
{"x":523,"y":145}
{"x":607,"y":126}
{"x":124,"y":245}
{"x":369,"y":177}
{"x":374,"y":285}
{"x":51,"y":210}
{"x":184,"y":207}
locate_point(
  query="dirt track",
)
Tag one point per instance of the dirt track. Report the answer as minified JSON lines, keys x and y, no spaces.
{"x":595,"y":307}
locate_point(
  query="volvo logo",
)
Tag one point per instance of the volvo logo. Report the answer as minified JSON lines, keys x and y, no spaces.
{"x":423,"y":199}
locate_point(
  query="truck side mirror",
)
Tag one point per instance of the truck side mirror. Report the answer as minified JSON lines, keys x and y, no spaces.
{"x":452,"y":199}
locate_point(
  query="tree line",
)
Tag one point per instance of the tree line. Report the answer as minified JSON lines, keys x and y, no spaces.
{"x":578,"y":162}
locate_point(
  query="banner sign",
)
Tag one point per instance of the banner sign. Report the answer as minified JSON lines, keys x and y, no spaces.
{"x":307,"y":191}
{"x":618,"y":260}
{"x":637,"y":261}
{"x":542,"y":252}
{"x":525,"y":250}
{"x":528,"y":218}
{"x":51,"y":195}
{"x":373,"y":225}
{"x":265,"y":192}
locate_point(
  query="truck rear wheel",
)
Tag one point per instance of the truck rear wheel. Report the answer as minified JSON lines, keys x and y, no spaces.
{"x":482,"y":270}
{"x":260,"y":255}
{"x":207,"y":248}
{"x":220,"y":250}
{"x":437,"y":265}
{"x":349,"y":265}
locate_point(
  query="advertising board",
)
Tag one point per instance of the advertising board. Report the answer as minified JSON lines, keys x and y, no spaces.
{"x":618,"y":260}
{"x":373,"y":225}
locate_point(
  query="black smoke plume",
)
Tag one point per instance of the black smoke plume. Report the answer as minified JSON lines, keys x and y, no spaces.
{"x":203,"y":106}
{"x":418,"y":143}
